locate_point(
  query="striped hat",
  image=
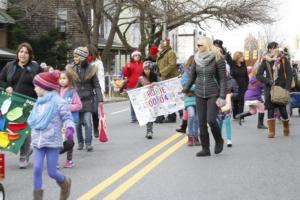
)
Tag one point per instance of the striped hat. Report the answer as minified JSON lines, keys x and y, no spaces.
{"x":82,"y":52}
{"x":47,"y":80}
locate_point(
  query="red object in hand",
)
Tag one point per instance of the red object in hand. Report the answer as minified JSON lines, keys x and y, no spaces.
{"x":2,"y":166}
{"x":102,"y":124}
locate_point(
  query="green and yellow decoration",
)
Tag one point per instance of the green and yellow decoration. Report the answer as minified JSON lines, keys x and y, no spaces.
{"x":14,"y":111}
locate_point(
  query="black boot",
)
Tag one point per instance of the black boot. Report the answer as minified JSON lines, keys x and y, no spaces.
{"x":260,"y":124}
{"x":183,"y":126}
{"x":219,"y":146}
{"x":204,"y":137}
{"x":242,"y":116}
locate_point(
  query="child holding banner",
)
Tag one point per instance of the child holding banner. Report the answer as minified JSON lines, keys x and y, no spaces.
{"x":48,"y":115}
{"x":67,"y":82}
{"x":148,"y":77}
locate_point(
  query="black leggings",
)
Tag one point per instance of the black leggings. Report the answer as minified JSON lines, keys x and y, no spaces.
{"x":207,"y":113}
{"x":282,"y":110}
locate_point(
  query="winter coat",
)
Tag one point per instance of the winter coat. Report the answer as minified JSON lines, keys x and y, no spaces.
{"x":88,"y":86}
{"x":232,"y":87}
{"x":51,"y":136}
{"x":100,"y":74}
{"x":210,"y":80}
{"x":73,"y":100}
{"x":132,"y":73}
{"x":239,"y":73}
{"x":12,"y":75}
{"x":254,"y":90}
{"x":188,"y":100}
{"x":284,"y":79}
{"x":166,"y":63}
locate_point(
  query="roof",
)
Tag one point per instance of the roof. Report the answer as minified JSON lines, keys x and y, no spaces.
{"x":6,"y":54}
{"x":5,"y":18}
{"x":115,"y":46}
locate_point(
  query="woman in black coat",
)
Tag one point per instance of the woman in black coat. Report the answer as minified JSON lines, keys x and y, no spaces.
{"x":238,"y":71}
{"x":17,"y":76}
{"x":281,"y":72}
{"x":208,"y":72}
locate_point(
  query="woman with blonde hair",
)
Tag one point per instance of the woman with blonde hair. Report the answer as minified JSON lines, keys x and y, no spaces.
{"x":238,"y":71}
{"x":208,"y":73}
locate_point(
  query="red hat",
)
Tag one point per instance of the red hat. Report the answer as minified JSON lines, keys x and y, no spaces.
{"x":47,"y":80}
{"x":153,"y":50}
{"x":136,"y":52}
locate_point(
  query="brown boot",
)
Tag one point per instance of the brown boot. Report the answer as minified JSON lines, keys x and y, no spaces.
{"x":286,"y":127}
{"x":190,"y":140}
{"x":38,"y":195}
{"x":271,"y":127}
{"x":65,"y":187}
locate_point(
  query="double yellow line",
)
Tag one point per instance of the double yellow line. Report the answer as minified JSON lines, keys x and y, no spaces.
{"x":139,"y":175}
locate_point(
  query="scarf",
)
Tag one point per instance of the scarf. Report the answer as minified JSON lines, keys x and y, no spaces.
{"x":276,"y":65}
{"x":42,"y":111}
{"x":204,"y":58}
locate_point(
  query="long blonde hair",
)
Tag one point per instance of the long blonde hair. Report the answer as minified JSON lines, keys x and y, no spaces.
{"x":209,"y":46}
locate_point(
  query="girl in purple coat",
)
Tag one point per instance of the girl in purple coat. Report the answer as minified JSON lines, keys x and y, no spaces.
{"x":254,"y":100}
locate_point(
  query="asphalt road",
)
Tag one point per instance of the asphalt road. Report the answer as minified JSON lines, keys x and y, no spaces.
{"x":131,"y":167}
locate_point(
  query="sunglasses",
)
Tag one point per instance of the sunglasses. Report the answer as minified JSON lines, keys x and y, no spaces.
{"x":200,"y":45}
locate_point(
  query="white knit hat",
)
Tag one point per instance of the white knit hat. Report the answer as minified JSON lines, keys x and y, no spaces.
{"x":82,"y":52}
{"x":136,"y":52}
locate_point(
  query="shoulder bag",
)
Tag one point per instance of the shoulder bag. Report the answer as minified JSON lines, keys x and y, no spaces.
{"x":278,"y":94}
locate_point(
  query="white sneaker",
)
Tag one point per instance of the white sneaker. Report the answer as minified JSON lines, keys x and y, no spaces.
{"x":229,"y":143}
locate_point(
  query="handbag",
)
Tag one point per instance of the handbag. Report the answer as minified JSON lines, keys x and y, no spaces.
{"x":102,"y":125}
{"x":278,"y":94}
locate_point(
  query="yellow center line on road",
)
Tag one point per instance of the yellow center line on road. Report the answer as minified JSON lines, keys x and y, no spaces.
{"x":110,"y":180}
{"x":140,"y":174}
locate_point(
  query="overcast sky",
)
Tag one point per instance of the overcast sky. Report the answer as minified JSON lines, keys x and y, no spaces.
{"x":288,"y":27}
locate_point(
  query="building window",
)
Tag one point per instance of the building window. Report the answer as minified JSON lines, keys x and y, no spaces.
{"x":62,"y":17}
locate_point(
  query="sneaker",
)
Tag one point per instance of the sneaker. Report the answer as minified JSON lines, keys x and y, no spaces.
{"x":23,"y":163}
{"x":229,"y":143}
{"x":196,"y":141}
{"x":80,"y":146}
{"x":89,"y":147}
{"x":69,"y":164}
{"x":149,"y":135}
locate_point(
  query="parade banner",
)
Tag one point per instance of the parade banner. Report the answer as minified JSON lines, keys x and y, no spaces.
{"x":14,"y":111}
{"x":160,"y":98}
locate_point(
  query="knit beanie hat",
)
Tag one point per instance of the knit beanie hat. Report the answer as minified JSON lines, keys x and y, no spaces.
{"x":148,"y":64}
{"x":82,"y":52}
{"x":47,"y":80}
{"x":136,"y":52}
{"x":165,"y":41}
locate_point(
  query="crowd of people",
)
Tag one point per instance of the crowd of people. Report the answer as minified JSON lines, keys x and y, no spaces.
{"x":217,"y":87}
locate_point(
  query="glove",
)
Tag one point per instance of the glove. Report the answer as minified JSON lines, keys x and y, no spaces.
{"x":69,"y":133}
{"x":270,"y":83}
{"x":220,"y":102}
{"x":185,"y":91}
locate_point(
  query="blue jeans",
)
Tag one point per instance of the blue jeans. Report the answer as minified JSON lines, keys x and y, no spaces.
{"x":85,"y":119}
{"x":52,"y":157}
{"x":193,"y":124}
{"x":227,"y":124}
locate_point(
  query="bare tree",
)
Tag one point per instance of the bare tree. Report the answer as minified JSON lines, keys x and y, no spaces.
{"x":251,"y":48}
{"x":154,"y":14}
{"x":271,"y":33}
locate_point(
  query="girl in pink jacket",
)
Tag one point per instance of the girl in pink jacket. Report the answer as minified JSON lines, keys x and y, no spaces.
{"x":68,"y":92}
